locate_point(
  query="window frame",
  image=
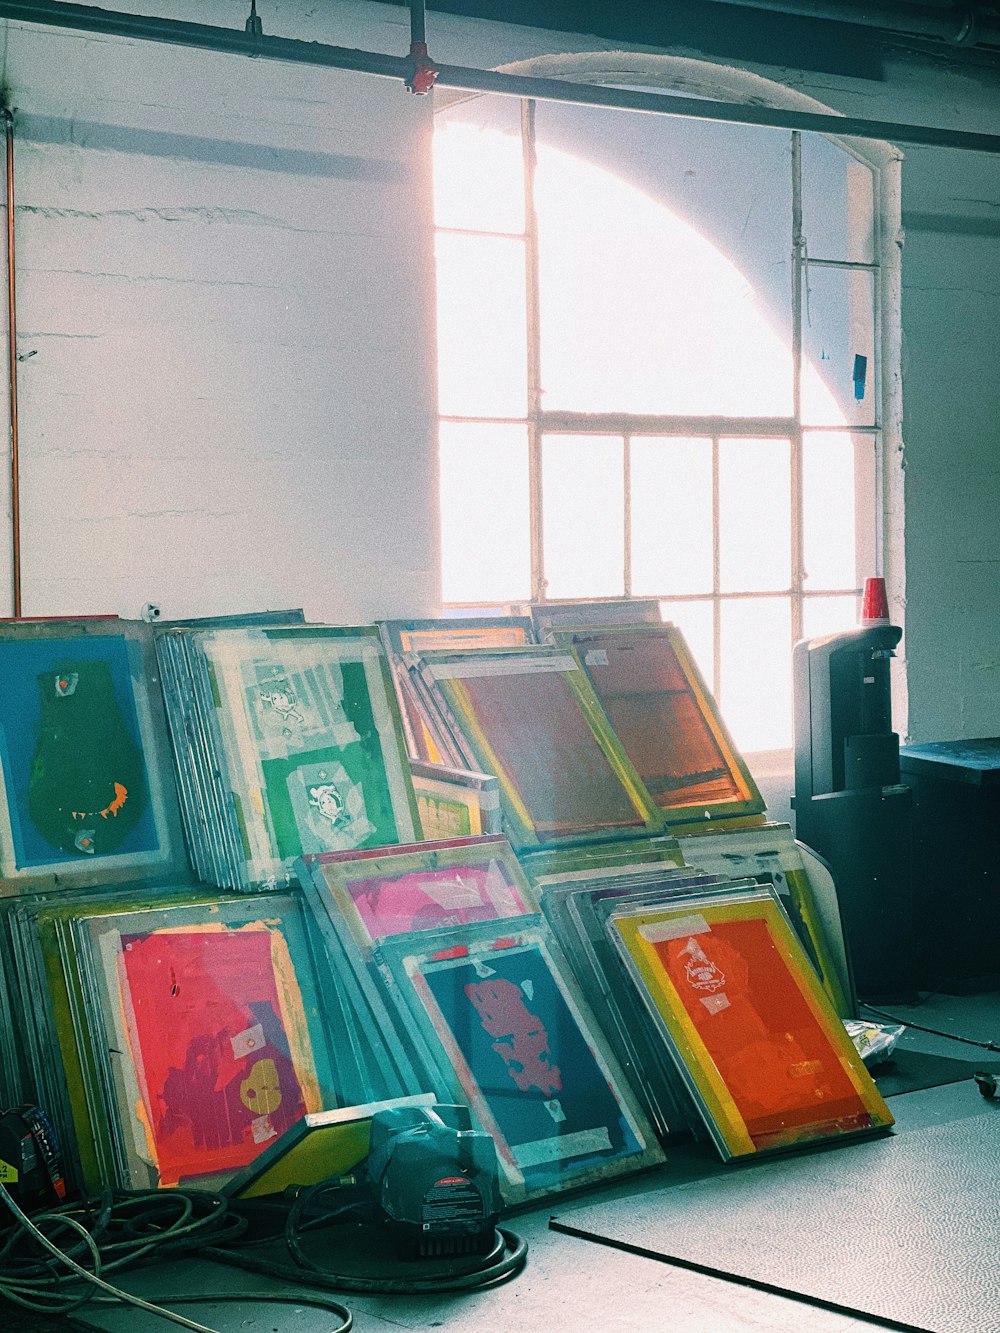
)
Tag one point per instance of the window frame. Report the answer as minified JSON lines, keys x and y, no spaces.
{"x":539,"y":423}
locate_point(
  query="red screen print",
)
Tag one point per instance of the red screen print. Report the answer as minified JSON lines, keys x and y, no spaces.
{"x":210,"y":1048}
{"x":520,"y":1037}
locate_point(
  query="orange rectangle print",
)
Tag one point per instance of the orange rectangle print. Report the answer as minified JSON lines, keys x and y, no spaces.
{"x":756,"y":1041}
{"x":668,"y":724}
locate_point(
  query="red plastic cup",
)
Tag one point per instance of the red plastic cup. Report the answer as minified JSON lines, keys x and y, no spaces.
{"x":875,"y":605}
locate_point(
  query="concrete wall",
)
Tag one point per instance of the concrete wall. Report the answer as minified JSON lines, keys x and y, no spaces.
{"x":226,"y":315}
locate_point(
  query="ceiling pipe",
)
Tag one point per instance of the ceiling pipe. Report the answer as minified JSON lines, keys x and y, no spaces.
{"x":139,"y":27}
{"x":962,"y":25}
{"x":423,"y":75}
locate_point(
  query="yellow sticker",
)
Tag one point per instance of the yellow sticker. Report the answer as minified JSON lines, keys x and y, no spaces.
{"x":8,"y":1173}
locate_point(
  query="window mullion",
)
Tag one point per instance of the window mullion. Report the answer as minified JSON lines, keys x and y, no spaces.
{"x":627,"y":521}
{"x":798,"y":274}
{"x":716,"y":575}
{"x":533,"y":343}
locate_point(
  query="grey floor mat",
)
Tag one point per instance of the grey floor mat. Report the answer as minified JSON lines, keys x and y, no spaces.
{"x":909,"y":1071}
{"x":903,"y":1228}
{"x":14,"y":1319}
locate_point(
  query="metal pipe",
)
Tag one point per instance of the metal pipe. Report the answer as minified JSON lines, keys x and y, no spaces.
{"x":203,"y":37}
{"x":15,"y":468}
{"x":585,"y":94}
{"x":418,"y":22}
{"x":961,"y":26}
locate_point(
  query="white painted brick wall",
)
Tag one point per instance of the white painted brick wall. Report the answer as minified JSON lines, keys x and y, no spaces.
{"x":225,"y":281}
{"x":226,"y":310}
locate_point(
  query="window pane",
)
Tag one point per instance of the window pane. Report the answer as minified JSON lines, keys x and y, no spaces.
{"x":478,"y":167}
{"x":694,"y":620}
{"x":671,"y":516}
{"x":583,"y":509}
{"x":755,"y":515}
{"x":838,"y":326}
{"x":867,"y":497}
{"x":664,"y":284}
{"x":485,"y":543}
{"x":828,"y":615}
{"x":837,"y":202}
{"x":756,"y":687}
{"x":828,"y":510}
{"x":482,"y":348}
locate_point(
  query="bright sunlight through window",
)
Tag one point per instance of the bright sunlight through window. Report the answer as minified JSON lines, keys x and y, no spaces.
{"x":647,"y":390}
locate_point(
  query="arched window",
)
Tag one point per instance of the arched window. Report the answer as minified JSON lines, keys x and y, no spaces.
{"x":659,"y":373}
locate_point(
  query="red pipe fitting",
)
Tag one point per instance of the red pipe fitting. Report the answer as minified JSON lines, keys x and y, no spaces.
{"x":425,"y":72}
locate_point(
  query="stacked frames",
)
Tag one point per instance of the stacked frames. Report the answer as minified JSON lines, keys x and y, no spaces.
{"x":589,"y":985}
{"x":446,"y":940}
{"x":288,"y":742}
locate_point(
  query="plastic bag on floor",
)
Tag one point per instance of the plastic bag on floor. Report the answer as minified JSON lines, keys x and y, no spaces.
{"x":874,"y":1042}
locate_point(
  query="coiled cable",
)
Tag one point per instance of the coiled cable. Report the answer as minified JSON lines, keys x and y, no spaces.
{"x":132,"y":1229}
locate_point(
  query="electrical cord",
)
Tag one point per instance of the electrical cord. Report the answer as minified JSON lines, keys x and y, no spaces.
{"x":935,"y":1032}
{"x":38,"y":1294}
{"x":37,"y":1285}
{"x":123,"y":1229}
{"x":505,"y":1259}
{"x":515,"y":1247}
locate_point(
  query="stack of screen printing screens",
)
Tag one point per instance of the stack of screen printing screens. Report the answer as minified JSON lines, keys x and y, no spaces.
{"x":288,"y":742}
{"x":766,"y":853}
{"x":445,"y":944}
{"x":12,"y":1085}
{"x":577,"y":903}
{"x":427,"y":738}
{"x":666,"y":720}
{"x":770,"y":855}
{"x":715,"y":1006}
{"x":87,"y":794}
{"x":454,"y":802}
{"x":171,"y":1039}
{"x":530,"y":717}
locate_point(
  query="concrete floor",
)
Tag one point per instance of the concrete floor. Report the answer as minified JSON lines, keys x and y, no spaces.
{"x":574,"y":1286}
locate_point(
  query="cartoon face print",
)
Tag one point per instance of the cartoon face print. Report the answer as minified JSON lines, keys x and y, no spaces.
{"x":284,"y":702}
{"x":699,"y":969}
{"x":328,"y":802}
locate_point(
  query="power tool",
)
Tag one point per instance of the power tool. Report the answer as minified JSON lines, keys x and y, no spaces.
{"x":434,"y":1181}
{"x":30,"y":1158}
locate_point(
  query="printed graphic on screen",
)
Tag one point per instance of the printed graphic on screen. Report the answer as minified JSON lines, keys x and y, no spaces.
{"x":530,"y":1064}
{"x":424,"y":899}
{"x":73,"y":765}
{"x":778,"y":1063}
{"x":218,"y":1039}
{"x":321,"y":755}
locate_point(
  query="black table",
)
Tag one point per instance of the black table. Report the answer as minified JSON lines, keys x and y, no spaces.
{"x":956,"y":861}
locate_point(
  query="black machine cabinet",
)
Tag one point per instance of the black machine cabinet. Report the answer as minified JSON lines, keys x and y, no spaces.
{"x":956,"y":871}
{"x":849,"y":803}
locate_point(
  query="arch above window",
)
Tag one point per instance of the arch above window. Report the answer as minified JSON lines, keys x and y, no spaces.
{"x":675,"y":388}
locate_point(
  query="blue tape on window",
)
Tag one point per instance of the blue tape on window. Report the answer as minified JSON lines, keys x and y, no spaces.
{"x":860,"y":375}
